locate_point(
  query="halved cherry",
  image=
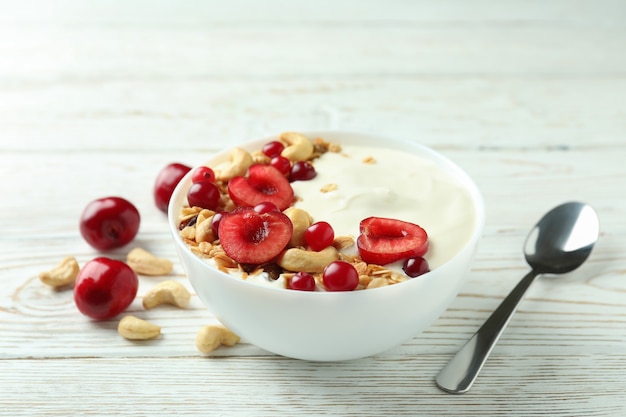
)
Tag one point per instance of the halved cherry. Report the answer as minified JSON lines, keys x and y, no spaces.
{"x":384,"y":240}
{"x":263,"y":183}
{"x":249,"y":237}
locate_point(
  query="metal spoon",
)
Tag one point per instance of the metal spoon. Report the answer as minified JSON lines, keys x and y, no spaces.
{"x":559,"y":243}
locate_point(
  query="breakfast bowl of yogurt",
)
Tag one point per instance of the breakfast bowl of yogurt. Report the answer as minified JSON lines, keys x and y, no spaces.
{"x":327,"y":245}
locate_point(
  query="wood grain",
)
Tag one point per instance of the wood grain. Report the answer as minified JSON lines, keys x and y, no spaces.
{"x":96,"y":97}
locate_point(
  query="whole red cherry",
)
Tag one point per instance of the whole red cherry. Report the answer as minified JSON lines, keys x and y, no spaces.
{"x":166,"y":181}
{"x":109,"y":223}
{"x":104,"y":288}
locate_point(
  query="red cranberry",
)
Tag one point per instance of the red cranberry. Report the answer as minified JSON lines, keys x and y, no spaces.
{"x":302,"y":171}
{"x":415,"y":267}
{"x":165,"y":183}
{"x":104,"y":288}
{"x":319,"y":236}
{"x":204,"y":194}
{"x":340,"y":276}
{"x":109,"y":223}
{"x":282,"y":164}
{"x":215,"y":223}
{"x":273,"y":148}
{"x":202,"y":174}
{"x":302,"y":281}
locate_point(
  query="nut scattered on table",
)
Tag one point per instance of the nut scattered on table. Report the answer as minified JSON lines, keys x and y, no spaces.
{"x":63,"y":274}
{"x":133,"y":328}
{"x":213,"y":336}
{"x":146,"y":263}
{"x":167,"y":292}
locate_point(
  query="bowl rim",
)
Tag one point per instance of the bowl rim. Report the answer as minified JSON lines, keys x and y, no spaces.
{"x":441,"y":160}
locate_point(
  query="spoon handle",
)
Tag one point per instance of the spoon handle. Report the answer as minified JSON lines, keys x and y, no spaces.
{"x":459,"y":374}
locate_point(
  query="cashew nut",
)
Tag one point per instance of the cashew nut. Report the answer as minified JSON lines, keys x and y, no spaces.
{"x":204,"y":226}
{"x":296,"y":259}
{"x":133,"y":328}
{"x":167,"y":292}
{"x":63,"y":274}
{"x":239,"y":162}
{"x":211,"y":337}
{"x":258,"y":157}
{"x":299,"y":147}
{"x":145,"y":263}
{"x":301,"y":220}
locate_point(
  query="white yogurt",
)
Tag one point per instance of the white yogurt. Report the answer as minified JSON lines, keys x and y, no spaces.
{"x":395,"y":184}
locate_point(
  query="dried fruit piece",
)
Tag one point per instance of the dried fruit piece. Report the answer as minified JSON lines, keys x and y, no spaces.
{"x":263,"y":183}
{"x":384,"y":240}
{"x":252,"y":238}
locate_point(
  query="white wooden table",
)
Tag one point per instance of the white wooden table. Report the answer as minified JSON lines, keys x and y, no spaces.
{"x":528,"y":97}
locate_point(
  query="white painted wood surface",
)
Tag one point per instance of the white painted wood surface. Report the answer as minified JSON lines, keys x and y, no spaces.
{"x":528,"y":97}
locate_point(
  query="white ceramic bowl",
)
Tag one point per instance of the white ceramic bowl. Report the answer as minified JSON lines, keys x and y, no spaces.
{"x":330,"y":326}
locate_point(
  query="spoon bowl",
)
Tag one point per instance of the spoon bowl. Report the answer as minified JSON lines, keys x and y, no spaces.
{"x":560,"y":242}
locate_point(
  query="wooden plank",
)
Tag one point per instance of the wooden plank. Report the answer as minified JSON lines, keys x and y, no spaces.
{"x":204,"y":115}
{"x":269,"y":387}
